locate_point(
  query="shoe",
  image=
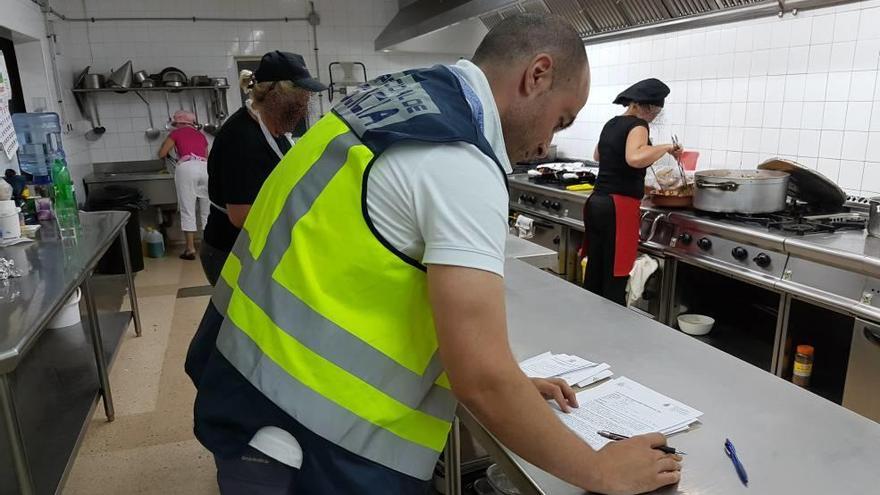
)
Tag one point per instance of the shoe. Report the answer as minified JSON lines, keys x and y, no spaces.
{"x":188,"y":255}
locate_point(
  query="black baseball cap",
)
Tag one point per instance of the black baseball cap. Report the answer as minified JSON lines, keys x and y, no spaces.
{"x":286,"y":66}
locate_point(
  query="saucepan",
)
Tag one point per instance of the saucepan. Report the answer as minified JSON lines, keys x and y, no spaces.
{"x":740,"y":191}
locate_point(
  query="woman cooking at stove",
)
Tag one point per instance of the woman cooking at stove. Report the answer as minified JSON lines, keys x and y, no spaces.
{"x":611,"y":215}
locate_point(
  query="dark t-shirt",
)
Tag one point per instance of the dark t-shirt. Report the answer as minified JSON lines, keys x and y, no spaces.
{"x":239,"y":163}
{"x":615,"y":175}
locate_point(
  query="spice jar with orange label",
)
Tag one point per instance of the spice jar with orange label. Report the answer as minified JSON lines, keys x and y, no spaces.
{"x":803,"y":365}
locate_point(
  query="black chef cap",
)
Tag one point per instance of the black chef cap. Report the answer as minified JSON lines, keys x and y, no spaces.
{"x":650,"y":91}
{"x":286,"y":66}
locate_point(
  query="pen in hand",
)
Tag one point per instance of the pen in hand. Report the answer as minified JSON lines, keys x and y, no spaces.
{"x":730,"y":450}
{"x":614,"y":436}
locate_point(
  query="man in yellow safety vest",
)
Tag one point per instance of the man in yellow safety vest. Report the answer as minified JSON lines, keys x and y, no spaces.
{"x":364,"y":297}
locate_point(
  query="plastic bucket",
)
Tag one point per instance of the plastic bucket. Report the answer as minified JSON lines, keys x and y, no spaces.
{"x":10,"y":226}
{"x":68,"y":315}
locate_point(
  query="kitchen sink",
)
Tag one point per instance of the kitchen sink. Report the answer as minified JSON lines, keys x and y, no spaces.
{"x":150,"y":177}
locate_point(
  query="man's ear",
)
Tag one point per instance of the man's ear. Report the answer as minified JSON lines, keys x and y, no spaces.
{"x":539,"y":74}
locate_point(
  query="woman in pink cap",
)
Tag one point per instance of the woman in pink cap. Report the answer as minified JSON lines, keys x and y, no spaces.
{"x":190,"y":175}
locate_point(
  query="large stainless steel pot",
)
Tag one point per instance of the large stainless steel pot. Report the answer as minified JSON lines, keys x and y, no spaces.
{"x":874,"y":217}
{"x":740,"y":191}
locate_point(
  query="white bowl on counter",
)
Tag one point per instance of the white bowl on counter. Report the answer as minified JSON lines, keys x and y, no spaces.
{"x":693,"y":324}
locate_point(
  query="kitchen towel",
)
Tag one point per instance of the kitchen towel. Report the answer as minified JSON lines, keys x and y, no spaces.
{"x":644,"y":267}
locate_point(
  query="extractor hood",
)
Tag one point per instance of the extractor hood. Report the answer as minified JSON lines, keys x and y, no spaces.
{"x":595,"y":20}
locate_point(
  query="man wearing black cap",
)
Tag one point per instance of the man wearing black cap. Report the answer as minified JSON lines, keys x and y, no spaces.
{"x":249,"y":145}
{"x":611,"y":216}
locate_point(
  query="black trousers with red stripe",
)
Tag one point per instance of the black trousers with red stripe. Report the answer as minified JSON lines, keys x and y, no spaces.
{"x":600,"y":221}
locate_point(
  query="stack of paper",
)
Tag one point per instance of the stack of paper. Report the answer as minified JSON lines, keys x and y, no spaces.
{"x":573,"y":369}
{"x":627,"y":408}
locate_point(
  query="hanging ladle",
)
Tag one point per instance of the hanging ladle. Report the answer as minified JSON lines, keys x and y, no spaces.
{"x":168,"y":125}
{"x":195,"y":112}
{"x":210,"y":127}
{"x":151,"y":133}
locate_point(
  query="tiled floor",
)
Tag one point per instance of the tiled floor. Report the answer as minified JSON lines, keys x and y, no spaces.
{"x":150,"y":448}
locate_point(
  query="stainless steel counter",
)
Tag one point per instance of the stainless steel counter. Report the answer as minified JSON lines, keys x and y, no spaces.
{"x":529,"y":252}
{"x":789,"y":440}
{"x":53,"y":270}
{"x":48,"y":383}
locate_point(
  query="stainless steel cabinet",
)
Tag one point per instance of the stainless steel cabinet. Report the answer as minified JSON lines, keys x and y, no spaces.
{"x":862,"y":391}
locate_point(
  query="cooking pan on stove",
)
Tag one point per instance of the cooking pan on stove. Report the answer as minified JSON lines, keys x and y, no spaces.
{"x":740,"y":191}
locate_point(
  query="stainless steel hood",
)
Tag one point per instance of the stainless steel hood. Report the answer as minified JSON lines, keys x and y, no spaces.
{"x":595,"y":20}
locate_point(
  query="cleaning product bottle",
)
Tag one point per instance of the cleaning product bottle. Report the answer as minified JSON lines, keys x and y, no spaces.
{"x":155,"y":243}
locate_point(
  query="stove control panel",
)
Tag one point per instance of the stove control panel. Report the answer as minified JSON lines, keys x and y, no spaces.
{"x":690,"y":241}
{"x":547,"y":204}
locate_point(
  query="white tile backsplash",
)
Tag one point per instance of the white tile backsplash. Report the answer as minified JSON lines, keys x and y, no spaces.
{"x":851,"y":173}
{"x":838,"y":86}
{"x":834,"y":116}
{"x":830,"y":144}
{"x":842,"y":55}
{"x":854,"y":145}
{"x":858,"y":116}
{"x":798,"y":59}
{"x":846,"y":26}
{"x":871,"y":179}
{"x":802,"y":86}
{"x":814,"y":89}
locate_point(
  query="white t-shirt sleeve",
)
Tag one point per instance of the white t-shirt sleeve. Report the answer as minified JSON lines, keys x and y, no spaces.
{"x":441,"y":204}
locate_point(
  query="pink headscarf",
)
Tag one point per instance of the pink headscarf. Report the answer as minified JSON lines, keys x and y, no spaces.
{"x":183,"y":117}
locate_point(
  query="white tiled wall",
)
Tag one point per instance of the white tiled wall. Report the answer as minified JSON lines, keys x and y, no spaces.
{"x":346,"y":33}
{"x":803,"y":87}
{"x":24,"y":18}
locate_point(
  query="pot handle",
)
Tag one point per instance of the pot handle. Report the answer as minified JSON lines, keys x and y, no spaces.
{"x":724,"y":186}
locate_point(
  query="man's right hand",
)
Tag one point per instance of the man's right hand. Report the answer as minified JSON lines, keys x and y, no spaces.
{"x":636,"y":466}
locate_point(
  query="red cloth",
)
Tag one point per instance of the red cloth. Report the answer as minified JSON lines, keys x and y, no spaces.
{"x":189,"y":141}
{"x":627,"y":216}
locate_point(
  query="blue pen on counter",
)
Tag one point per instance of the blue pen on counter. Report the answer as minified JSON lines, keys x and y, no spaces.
{"x":740,"y":469}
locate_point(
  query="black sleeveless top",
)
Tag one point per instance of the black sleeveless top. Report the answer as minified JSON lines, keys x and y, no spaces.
{"x":615,"y":175}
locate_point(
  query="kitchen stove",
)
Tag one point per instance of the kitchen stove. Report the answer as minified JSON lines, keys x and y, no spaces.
{"x":770,"y":281}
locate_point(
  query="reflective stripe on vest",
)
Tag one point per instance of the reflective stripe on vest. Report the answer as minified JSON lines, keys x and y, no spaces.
{"x":325,"y":320}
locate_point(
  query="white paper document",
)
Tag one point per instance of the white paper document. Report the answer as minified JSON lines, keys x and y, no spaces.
{"x":627,"y":408}
{"x":549,"y":365}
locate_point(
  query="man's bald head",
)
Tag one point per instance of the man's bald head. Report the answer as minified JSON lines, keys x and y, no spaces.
{"x":517,"y":39}
{"x":537,"y":68}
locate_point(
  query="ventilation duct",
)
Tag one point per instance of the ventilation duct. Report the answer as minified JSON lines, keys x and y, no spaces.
{"x":595,"y":20}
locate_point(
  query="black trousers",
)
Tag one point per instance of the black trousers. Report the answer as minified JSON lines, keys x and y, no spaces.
{"x":600,"y":221}
{"x":213,"y":260}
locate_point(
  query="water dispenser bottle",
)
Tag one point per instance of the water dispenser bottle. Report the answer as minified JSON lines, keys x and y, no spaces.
{"x":39,"y":143}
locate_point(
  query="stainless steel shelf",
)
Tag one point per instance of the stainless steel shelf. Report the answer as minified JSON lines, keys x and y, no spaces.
{"x":156,"y":88}
{"x":57,"y":391}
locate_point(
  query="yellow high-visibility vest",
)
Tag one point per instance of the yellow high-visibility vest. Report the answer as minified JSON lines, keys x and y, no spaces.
{"x":321,"y":314}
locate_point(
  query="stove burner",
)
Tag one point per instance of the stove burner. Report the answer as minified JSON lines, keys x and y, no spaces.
{"x":801,"y":228}
{"x":795,"y":222}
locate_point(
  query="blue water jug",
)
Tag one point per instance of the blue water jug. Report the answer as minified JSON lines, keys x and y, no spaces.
{"x":39,"y":141}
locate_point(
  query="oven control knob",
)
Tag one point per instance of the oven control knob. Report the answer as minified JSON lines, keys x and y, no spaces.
{"x":556,"y":205}
{"x":545,"y":203}
{"x":522,"y":198}
{"x":762,"y":260}
{"x":740,"y":253}
{"x":705,"y":243}
{"x":685,"y":239}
